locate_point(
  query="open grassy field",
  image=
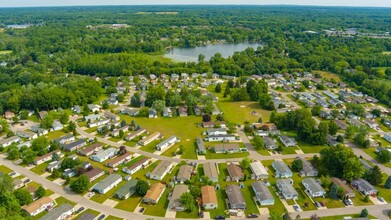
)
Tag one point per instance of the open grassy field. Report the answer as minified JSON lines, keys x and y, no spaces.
{"x":239,"y":112}
{"x":329,"y":76}
{"x":185,"y":128}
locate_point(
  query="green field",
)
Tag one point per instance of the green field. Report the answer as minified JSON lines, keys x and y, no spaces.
{"x":5,"y":170}
{"x":86,"y":211}
{"x":129,"y":204}
{"x":2,"y":52}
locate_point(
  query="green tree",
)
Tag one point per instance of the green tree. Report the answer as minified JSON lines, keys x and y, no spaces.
{"x":387,"y":185}
{"x":13,"y":153}
{"x":24,"y":114}
{"x":334,"y":191}
{"x":374,"y":176}
{"x":64,"y":117}
{"x":195,"y":191}
{"x":333,"y":128}
{"x":80,"y":185}
{"x":316,"y":110}
{"x":159,"y":105}
{"x":41,"y":192}
{"x":364,"y":213}
{"x":297,"y":165}
{"x":28,"y":156}
{"x":245,"y":163}
{"x":40,"y":145}
{"x":218,"y":88}
{"x":120,"y":97}
{"x":384,"y":156}
{"x":23,"y":196}
{"x":69,"y":163}
{"x":258,"y":142}
{"x":142,"y":187}
{"x":187,"y":201}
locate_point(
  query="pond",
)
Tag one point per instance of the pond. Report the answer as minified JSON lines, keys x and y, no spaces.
{"x":191,"y":54}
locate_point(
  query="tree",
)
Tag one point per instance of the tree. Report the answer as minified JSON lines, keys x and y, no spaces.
{"x":120,"y":97}
{"x":258,"y":142}
{"x":206,"y":118}
{"x":364,"y":213}
{"x":387,"y":185}
{"x":195,"y":191}
{"x":105,"y":105}
{"x":64,"y":117}
{"x":122,"y":150}
{"x":24,"y":114}
{"x":316,"y":110}
{"x":218,"y":88}
{"x":340,"y":139}
{"x":333,"y":128}
{"x":80,"y":185}
{"x":142,"y":187}
{"x":187,"y":201}
{"x":41,"y":192}
{"x":366,"y":199}
{"x":40,"y":145}
{"x":28,"y":156}
{"x":23,"y":196}
{"x":376,"y":112}
{"x":384,"y":156}
{"x":334,"y":191}
{"x":220,"y":117}
{"x":297,"y":165}
{"x":13,"y":153}
{"x":69,"y":163}
{"x":159,"y":105}
{"x":286,"y":216}
{"x":245,"y":163}
{"x":123,"y":123}
{"x":374,"y":176}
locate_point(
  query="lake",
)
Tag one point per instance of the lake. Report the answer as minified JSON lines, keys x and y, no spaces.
{"x":191,"y":54}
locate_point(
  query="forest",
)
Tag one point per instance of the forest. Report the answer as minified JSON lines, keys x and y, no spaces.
{"x":65,"y":45}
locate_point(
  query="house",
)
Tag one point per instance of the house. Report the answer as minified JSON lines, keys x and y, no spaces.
{"x":331,"y":141}
{"x":208,"y":124}
{"x":64,"y":139}
{"x":38,"y":206}
{"x":42,"y":114}
{"x":93,"y":108}
{"x":57,"y":126}
{"x":8,"y":141}
{"x":149,"y":139}
{"x":281,"y":169}
{"x":313,"y":187}
{"x":32,"y":190}
{"x":9,"y":115}
{"x":121,"y":159}
{"x":136,"y":166}
{"x":364,"y":187}
{"x":216,"y":131}
{"x":341,"y":124}
{"x":174,"y":202}
{"x":167,"y":143}
{"x":270,"y":144}
{"x":288,"y":141}
{"x":68,"y":173}
{"x":135,"y":134}
{"x":91,"y":149}
{"x":98,"y":123}
{"x":152,"y":113}
{"x":64,"y":211}
{"x":104,"y":155}
{"x":76,"y":109}
{"x":215,"y":110}
{"x":127,"y":190}
{"x":387,"y":137}
{"x":227,"y":137}
{"x":354,"y":121}
{"x":210,"y":170}
{"x":184,"y":173}
{"x":348,"y":192}
{"x":182,"y":111}
{"x":325,"y":114}
{"x":258,"y":170}
{"x":154,"y":193}
{"x":40,"y":131}
{"x":55,"y":165}
{"x":26,"y":134}
{"x":160,"y":170}
{"x":108,"y":183}
{"x":209,"y":198}
{"x":226,"y":148}
{"x":92,"y":117}
{"x":87,"y":216}
{"x":94,"y":174}
{"x":371,"y":123}
{"x":235,"y":197}
{"x":18,"y":184}
{"x":111,"y":116}
{"x":167,"y":112}
{"x":117,"y":132}
{"x":262,"y":193}
{"x":201,"y":150}
{"x":285,"y":186}
{"x":129,"y":111}
{"x":74,"y":145}
{"x":308,"y":169}
{"x":322,"y":103}
{"x":46,"y":157}
{"x":235,"y":172}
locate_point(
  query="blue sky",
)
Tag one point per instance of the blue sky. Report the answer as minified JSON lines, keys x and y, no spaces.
{"x":27,"y":3}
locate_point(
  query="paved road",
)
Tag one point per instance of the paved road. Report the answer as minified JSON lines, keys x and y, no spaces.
{"x":360,"y":152}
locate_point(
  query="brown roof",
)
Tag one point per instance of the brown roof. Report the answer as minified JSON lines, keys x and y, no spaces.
{"x":235,"y":170}
{"x":119,"y":159}
{"x":138,"y":163}
{"x":268,"y":127}
{"x":37,"y":204}
{"x":91,"y":148}
{"x":340,"y":183}
{"x":208,"y":195}
{"x":50,"y":154}
{"x":94,"y":172}
{"x":31,"y":189}
{"x":154,"y":192}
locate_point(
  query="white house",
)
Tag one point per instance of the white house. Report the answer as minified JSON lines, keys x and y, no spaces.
{"x":136,"y":166}
{"x":167,"y":143}
{"x":104,"y":155}
{"x":387,"y":137}
{"x":108,"y":183}
{"x":313,"y":187}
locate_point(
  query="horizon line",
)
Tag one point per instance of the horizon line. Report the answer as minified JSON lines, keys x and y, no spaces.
{"x":100,"y":5}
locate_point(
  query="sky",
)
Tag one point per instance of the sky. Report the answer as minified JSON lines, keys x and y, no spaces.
{"x":34,"y":3}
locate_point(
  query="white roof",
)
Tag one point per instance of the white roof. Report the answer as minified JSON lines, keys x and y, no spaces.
{"x":258,"y":168}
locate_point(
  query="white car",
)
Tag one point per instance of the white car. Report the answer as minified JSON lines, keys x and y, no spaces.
{"x":350,"y":201}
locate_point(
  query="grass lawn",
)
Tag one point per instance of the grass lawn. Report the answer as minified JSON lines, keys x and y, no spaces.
{"x":160,"y":208}
{"x":239,"y":112}
{"x":5,"y":170}
{"x":221,"y":208}
{"x":90,"y":130}
{"x":329,"y":76}
{"x":151,"y":147}
{"x":33,"y":118}
{"x":129,"y":204}
{"x":341,"y":217}
{"x":170,"y":151}
{"x":187,"y":214}
{"x":212,"y":155}
{"x":55,"y":134}
{"x":115,"y":139}
{"x":86,"y":211}
{"x":112,"y":218}
{"x":2,"y":52}
{"x":40,"y":169}
{"x":358,"y":200}
{"x":100,"y":198}
{"x":385,"y":193}
{"x":185,"y":128}
{"x":141,"y":173}
{"x":62,"y":200}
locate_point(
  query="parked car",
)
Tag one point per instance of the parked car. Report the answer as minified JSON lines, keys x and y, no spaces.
{"x":220,"y":217}
{"x":26,"y":181}
{"x":350,"y":202}
{"x":12,"y":174}
{"x":380,"y":199}
{"x":201,"y":214}
{"x":296,"y":207}
{"x":322,"y":204}
{"x":317,"y":204}
{"x":252,"y":215}
{"x":80,"y":210}
{"x":346,"y":202}
{"x":101,"y":217}
{"x":141,"y":210}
